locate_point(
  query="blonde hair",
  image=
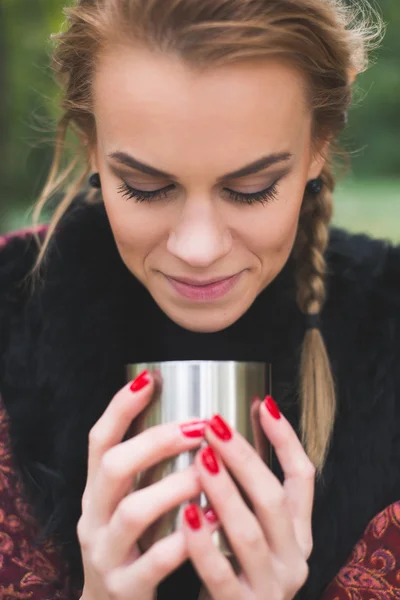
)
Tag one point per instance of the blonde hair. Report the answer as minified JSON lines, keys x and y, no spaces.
{"x":326,"y":39}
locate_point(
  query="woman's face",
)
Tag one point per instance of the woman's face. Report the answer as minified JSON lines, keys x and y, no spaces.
{"x":153,"y":115}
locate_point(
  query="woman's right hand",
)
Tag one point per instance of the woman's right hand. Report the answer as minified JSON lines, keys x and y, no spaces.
{"x":113,"y":517}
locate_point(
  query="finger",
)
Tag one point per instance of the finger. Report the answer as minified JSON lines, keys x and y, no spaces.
{"x":211,"y":565}
{"x":112,"y":425}
{"x":299,"y":472}
{"x":122,"y":462}
{"x":211,"y":516}
{"x":239,"y":522}
{"x":261,"y":486}
{"x":164,"y":557}
{"x":137,"y":511}
{"x":261,"y":443}
{"x":149,"y":569}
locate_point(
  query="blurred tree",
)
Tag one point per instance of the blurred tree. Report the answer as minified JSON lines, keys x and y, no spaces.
{"x":3,"y":119}
{"x":374,"y":125}
{"x":28,"y":97}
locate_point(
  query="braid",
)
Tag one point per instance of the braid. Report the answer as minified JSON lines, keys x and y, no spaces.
{"x":318,"y":402}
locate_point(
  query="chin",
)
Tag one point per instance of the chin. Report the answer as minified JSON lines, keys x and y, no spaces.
{"x":205,"y":319}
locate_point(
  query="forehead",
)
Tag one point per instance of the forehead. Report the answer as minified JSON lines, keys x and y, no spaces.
{"x":144,"y":100}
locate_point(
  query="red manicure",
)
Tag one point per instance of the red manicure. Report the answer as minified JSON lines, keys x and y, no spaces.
{"x":220,"y":428}
{"x":272,"y":407}
{"x":211,"y":515}
{"x":194,"y":429}
{"x":192,"y":516}
{"x":141,"y":381}
{"x":209,"y":460}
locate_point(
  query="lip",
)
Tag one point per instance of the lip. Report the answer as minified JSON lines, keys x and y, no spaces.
{"x":205,"y":293}
{"x":195,"y":282}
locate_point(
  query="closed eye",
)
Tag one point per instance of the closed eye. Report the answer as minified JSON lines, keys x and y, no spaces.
{"x":263,"y":196}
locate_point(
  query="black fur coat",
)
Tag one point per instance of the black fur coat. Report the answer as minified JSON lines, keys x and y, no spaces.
{"x":63,"y":348}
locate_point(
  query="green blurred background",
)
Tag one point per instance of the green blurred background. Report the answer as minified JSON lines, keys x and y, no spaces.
{"x":368,"y":199}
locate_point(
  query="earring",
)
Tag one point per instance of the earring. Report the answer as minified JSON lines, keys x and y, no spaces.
{"x":314,"y":186}
{"x":94,"y":180}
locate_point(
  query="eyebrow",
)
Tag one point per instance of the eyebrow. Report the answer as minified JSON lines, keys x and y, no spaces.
{"x":254,"y":167}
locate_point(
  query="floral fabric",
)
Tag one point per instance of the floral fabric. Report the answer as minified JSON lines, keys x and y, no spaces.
{"x":27,"y":571}
{"x":373,"y":569}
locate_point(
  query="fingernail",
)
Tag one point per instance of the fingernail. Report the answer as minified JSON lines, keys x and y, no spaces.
{"x":209,"y":460}
{"x":141,"y":381}
{"x":211,"y":515}
{"x":272,"y":407}
{"x":220,"y":428}
{"x":194,"y":429}
{"x":192,"y":516}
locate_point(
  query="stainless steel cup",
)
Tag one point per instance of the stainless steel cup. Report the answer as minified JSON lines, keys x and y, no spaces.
{"x":198,"y":389}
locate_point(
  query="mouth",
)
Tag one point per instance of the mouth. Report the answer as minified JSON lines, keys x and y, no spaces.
{"x":204,"y":292}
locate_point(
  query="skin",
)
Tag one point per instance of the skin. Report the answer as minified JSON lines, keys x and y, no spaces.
{"x":198,"y":127}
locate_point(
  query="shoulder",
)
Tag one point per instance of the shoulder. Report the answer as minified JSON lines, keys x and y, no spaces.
{"x":18,"y":252}
{"x":361,"y":318}
{"x":364,"y":271}
{"x":361,"y":326}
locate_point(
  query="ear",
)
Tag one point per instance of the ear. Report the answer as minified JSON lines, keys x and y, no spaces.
{"x":318,"y":159}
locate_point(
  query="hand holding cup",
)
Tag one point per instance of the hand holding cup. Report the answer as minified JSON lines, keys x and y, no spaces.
{"x":114,"y":516}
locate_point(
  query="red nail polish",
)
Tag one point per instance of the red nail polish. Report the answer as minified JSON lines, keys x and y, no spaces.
{"x":194,"y":429}
{"x":272,"y":407}
{"x":211,"y":515}
{"x":220,"y":428}
{"x":209,"y":460}
{"x":192,"y":516}
{"x":141,"y":381}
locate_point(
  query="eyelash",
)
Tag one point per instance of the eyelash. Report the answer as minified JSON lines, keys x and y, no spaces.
{"x":263,"y":196}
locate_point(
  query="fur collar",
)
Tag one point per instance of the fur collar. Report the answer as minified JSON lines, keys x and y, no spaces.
{"x":65,"y":347}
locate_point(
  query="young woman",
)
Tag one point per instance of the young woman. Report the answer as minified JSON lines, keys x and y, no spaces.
{"x":207,"y":130}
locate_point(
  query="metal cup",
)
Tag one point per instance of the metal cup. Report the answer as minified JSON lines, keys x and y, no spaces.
{"x":199,"y":389}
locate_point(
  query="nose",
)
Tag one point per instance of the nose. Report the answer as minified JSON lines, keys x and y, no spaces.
{"x":201,"y":237}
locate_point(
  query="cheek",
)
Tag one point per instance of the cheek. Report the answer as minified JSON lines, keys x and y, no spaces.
{"x":135,"y":225}
{"x":274,"y":230}
{"x":135,"y":228}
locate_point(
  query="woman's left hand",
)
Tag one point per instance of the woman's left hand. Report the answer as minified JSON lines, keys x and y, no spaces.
{"x":271,"y":544}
